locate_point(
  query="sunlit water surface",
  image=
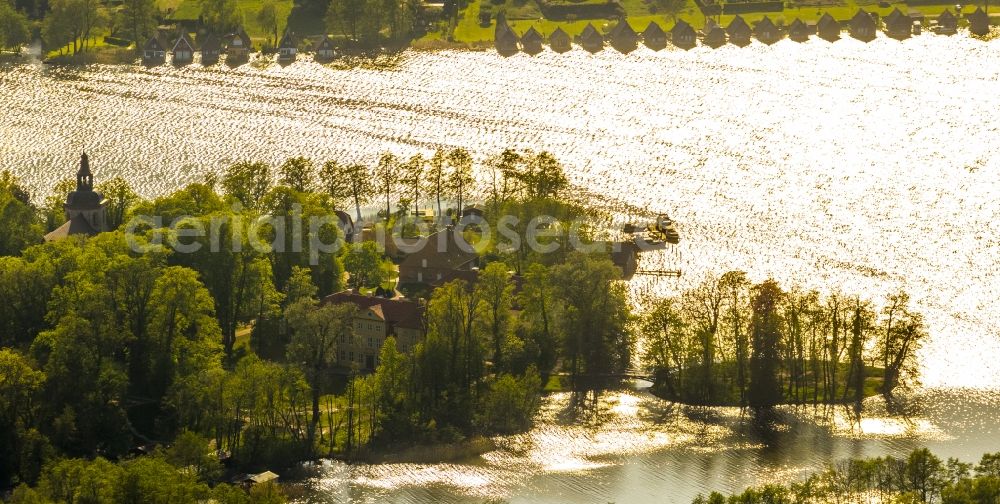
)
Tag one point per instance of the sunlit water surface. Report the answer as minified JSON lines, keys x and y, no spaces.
{"x":850,"y":167}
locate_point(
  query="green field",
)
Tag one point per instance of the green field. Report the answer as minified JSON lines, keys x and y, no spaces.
{"x":191,"y":9}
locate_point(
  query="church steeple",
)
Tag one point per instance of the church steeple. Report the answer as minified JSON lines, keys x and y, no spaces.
{"x":84,"y":179}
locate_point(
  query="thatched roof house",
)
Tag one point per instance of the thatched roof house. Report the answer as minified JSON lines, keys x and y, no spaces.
{"x":288,"y":49}
{"x":739,"y":31}
{"x":183,"y":50}
{"x":559,"y":41}
{"x":654,"y":37}
{"x":766,"y":31}
{"x":504,"y":37}
{"x":862,"y":26}
{"x":947,"y":23}
{"x":531,"y":41}
{"x":324,"y":50}
{"x":682,"y":35}
{"x":591,"y":39}
{"x":828,"y":28}
{"x":238,"y":46}
{"x":898,"y":25}
{"x":154,"y":52}
{"x":211,"y":48}
{"x":799,"y":31}
{"x":979,"y":22}
{"x":715,"y":35}
{"x":623,"y":37}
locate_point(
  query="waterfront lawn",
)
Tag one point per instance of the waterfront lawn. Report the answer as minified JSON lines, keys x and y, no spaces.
{"x":187,"y":10}
{"x":97,"y":52}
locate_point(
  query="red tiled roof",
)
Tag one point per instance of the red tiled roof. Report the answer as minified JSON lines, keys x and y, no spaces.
{"x":442,"y":250}
{"x":398,"y":312}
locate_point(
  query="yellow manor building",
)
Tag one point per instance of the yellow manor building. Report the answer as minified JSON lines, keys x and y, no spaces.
{"x":377,"y":319}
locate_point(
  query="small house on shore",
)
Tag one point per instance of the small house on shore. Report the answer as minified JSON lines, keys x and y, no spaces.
{"x":183,"y":50}
{"x":238,"y":47}
{"x":654,"y":37}
{"x":559,"y":41}
{"x":504,"y":37}
{"x":531,"y":41}
{"x":766,"y":31}
{"x":623,"y":37}
{"x":211,"y":48}
{"x":324,"y":50}
{"x":898,"y":25}
{"x":154,"y":53}
{"x":247,"y":481}
{"x":288,"y":49}
{"x":828,"y":28}
{"x":979,"y":22}
{"x":715,"y":35}
{"x":947,"y":23}
{"x":862,"y":26}
{"x":799,"y":31}
{"x":739,"y":31}
{"x":591,"y":39}
{"x":682,"y":35}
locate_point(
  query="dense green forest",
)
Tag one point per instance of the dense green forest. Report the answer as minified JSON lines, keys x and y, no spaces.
{"x":730,"y":342}
{"x":919,"y":477}
{"x":111,"y":341}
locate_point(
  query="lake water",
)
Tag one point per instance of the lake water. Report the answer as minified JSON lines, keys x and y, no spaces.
{"x":863,"y":168}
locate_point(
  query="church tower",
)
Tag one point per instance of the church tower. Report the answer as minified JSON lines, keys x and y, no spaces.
{"x":85,"y":207}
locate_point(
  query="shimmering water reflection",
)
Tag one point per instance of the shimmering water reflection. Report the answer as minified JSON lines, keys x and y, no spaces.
{"x":863,"y":168}
{"x":630,"y":447}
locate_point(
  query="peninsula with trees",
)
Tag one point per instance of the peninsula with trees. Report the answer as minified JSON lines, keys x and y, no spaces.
{"x":130,"y":369}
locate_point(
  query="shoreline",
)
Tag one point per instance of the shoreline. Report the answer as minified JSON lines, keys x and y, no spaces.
{"x":122,"y":57}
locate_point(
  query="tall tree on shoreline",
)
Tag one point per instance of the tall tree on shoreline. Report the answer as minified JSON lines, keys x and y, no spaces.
{"x":248,"y":183}
{"x":505,"y":177}
{"x":765,"y":390}
{"x":705,"y":304}
{"x":221,"y":16}
{"x":460,"y":179}
{"x":735,"y":284}
{"x":267,"y":18}
{"x":14,"y":30}
{"x":71,"y":22}
{"x":903,"y":335}
{"x":345,"y":183}
{"x":437,"y":179}
{"x":298,"y":173}
{"x":413,"y":177}
{"x":386,"y":176}
{"x":139,"y":18}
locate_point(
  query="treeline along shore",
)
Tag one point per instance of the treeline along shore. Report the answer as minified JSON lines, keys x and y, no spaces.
{"x":159,"y":350}
{"x":920,"y":476}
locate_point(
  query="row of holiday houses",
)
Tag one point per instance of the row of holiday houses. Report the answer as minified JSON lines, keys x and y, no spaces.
{"x":237,"y":48}
{"x":623,"y":37}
